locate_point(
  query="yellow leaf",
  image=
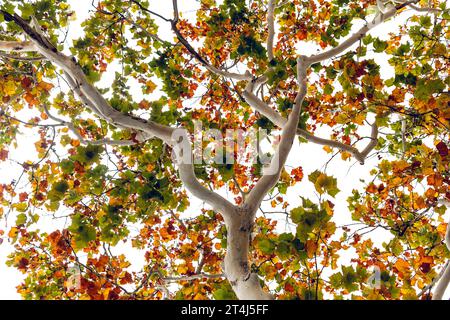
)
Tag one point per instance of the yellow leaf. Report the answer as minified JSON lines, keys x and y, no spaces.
{"x":345,"y":155}
{"x":182,"y":269}
{"x":106,"y":293}
{"x":13,"y":232}
{"x":285,"y":177}
{"x":400,"y":165}
{"x":151,"y":86}
{"x":359,"y":118}
{"x":9,"y":88}
{"x":328,"y":149}
{"x":442,"y":229}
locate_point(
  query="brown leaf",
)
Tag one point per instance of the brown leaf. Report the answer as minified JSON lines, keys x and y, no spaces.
{"x":442,"y":148}
{"x":3,"y":154}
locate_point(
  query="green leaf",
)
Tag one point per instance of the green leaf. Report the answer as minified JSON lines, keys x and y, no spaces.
{"x":21,"y":207}
{"x":61,"y":187}
{"x":425,"y":21}
{"x":328,"y":89}
{"x":67,"y":166}
{"x":283,"y":250}
{"x":82,"y":231}
{"x":88,"y":154}
{"x":324,"y":183}
{"x":349,"y":277}
{"x":21,"y":219}
{"x":379,"y":45}
{"x":266,"y":246}
{"x":224,"y":292}
{"x":425,"y":89}
{"x":296,"y":214}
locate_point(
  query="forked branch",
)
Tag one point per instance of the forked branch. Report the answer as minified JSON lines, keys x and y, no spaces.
{"x":272,"y":175}
{"x":277,"y":119}
{"x":95,"y":101}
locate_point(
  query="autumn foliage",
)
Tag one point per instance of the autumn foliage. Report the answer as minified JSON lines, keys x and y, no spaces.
{"x":104,"y":221}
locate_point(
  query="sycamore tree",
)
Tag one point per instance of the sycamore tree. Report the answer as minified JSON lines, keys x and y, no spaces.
{"x":117,"y":163}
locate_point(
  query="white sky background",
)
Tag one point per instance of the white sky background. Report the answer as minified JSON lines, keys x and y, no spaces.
{"x":309,"y":156}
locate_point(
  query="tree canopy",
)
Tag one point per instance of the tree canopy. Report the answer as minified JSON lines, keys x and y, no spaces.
{"x":113,"y":168}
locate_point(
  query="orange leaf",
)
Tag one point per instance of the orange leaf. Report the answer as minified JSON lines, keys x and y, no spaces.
{"x":311,"y":248}
{"x":45,"y":86}
{"x":23,"y":196}
{"x":297,"y":174}
{"x":13,"y":232}
{"x":402,"y":267}
{"x":75,"y":143}
{"x":30,"y":99}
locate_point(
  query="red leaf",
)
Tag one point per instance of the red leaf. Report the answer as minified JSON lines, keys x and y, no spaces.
{"x":297,"y":174}
{"x":26,"y":83}
{"x":425,"y":267}
{"x":288,"y":287}
{"x":442,"y":148}
{"x":23,"y":196}
{"x":23,"y":263}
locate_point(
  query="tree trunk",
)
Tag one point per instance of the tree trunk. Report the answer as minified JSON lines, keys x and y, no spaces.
{"x":244,"y":282}
{"x":444,"y":281}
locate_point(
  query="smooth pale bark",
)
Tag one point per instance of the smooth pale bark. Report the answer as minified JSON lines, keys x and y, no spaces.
{"x":244,"y":282}
{"x":269,"y":180}
{"x":442,"y":284}
{"x":384,"y":7}
{"x":444,"y":281}
{"x":420,"y":9}
{"x":185,"y":159}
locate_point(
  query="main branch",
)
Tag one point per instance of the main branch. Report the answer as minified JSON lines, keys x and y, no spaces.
{"x":269,"y":180}
{"x":277,"y":119}
{"x":358,"y":35}
{"x":95,"y":101}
